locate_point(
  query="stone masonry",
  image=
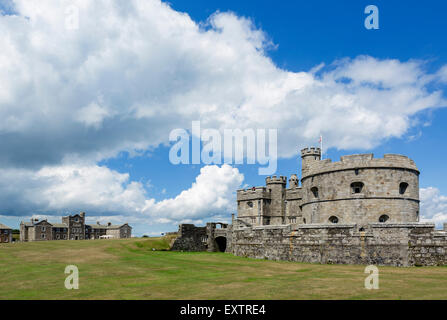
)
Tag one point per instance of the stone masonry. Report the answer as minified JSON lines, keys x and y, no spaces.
{"x":73,"y":227}
{"x":360,"y":210}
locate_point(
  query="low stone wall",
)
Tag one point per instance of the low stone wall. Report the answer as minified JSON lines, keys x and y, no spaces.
{"x":378,"y":244}
{"x":190,"y":238}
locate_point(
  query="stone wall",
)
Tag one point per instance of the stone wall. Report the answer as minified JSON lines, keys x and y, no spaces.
{"x":379,"y":195}
{"x":378,"y":244}
{"x":190,"y":238}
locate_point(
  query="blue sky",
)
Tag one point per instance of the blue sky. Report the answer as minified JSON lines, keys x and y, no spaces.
{"x":296,"y":37}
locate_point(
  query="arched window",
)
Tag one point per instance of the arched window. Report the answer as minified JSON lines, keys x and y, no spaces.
{"x":357,"y":187}
{"x":383,"y":218}
{"x":403,"y":187}
{"x":333,"y":219}
{"x":250,"y":204}
{"x":314,"y":191}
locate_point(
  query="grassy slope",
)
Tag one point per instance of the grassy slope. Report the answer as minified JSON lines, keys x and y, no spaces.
{"x":130,"y":269}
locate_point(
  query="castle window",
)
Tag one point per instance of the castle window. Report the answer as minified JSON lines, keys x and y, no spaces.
{"x":356,"y":172}
{"x":333,"y":219}
{"x":356,"y":187}
{"x":250,"y":204}
{"x":383,"y":218}
{"x":403,"y":187}
{"x":314,"y":191}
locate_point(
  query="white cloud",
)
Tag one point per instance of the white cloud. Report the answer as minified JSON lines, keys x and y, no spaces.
{"x":212,"y":194}
{"x":140,"y":69}
{"x":135,"y":70}
{"x":108,"y":195}
{"x":433,"y":206}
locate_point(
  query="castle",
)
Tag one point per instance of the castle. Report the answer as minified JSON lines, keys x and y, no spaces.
{"x":359,"y":189}
{"x":360,"y":210}
{"x":73,"y":227}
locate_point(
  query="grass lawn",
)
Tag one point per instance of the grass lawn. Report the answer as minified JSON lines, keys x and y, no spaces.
{"x":130,"y":269}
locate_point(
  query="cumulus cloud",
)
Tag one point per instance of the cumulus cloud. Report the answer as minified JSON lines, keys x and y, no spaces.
{"x":134,"y":70}
{"x":433,"y":206}
{"x":212,"y":194}
{"x":110,"y":195}
{"x":129,"y":75}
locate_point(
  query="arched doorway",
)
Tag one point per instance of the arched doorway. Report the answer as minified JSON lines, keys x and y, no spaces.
{"x":221,"y":243}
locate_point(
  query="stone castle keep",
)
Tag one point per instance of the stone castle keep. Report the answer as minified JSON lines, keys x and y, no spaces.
{"x":360,"y":210}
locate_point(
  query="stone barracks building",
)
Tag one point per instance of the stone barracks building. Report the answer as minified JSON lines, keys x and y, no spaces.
{"x":360,"y":210}
{"x":5,"y":234}
{"x":72,"y":228}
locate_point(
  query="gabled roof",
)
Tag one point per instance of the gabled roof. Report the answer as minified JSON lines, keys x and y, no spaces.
{"x":42,"y":221}
{"x":2,"y":226}
{"x":59,"y":225}
{"x":103,"y":226}
{"x":32,"y":224}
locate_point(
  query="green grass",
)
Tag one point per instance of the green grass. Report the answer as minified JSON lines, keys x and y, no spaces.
{"x":131,"y":269}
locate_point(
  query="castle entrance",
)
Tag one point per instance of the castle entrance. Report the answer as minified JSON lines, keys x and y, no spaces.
{"x":221,"y":244}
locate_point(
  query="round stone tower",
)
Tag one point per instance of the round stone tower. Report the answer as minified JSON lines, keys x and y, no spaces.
{"x":359,"y":189}
{"x":309,"y":156}
{"x":277,"y":187}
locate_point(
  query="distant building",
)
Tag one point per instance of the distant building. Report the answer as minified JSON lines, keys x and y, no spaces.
{"x":5,"y":234}
{"x":72,"y":228}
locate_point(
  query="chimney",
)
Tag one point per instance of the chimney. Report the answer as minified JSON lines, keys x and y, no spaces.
{"x":82,"y":214}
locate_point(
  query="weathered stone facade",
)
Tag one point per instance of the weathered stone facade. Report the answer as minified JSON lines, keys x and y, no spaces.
{"x":360,"y":210}
{"x":5,"y":234}
{"x":380,"y":244}
{"x":358,"y":189}
{"x":72,"y":228}
{"x":213,"y":237}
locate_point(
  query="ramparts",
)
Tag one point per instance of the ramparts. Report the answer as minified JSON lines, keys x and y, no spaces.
{"x":411,"y":244}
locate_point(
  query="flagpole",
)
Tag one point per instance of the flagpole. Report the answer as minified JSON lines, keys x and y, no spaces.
{"x":321,"y":146}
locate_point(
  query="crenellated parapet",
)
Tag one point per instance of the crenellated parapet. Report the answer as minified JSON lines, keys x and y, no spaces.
{"x":359,"y":161}
{"x":276,"y":180}
{"x":253,"y":193}
{"x":312,"y":151}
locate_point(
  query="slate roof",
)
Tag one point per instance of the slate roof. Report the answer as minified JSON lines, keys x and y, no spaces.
{"x":2,"y":226}
{"x":103,"y":226}
{"x":59,"y":225}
